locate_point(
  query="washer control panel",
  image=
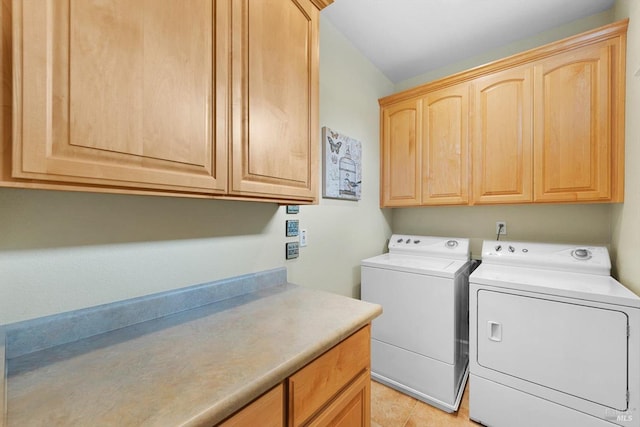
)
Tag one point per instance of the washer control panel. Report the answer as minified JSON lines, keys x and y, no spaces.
{"x":444,"y":247}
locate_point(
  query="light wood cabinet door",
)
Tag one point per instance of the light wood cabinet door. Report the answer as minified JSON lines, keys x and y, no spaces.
{"x":125,"y":93}
{"x":352,"y":408}
{"x":573,"y":125}
{"x":445,"y":143}
{"x":265,"y":411}
{"x":502,"y":137}
{"x":275,"y":98}
{"x":314,"y":389}
{"x":401,"y":154}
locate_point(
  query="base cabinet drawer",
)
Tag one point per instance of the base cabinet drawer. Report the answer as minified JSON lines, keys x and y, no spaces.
{"x":323,"y":385}
{"x":266,"y":411}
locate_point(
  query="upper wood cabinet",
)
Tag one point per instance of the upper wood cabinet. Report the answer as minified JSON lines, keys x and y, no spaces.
{"x":502,"y":137}
{"x":445,"y":142}
{"x":544,"y":126}
{"x":218,"y":99}
{"x":275,"y":98}
{"x":575,"y":135}
{"x":122,"y":93}
{"x":401,"y":157}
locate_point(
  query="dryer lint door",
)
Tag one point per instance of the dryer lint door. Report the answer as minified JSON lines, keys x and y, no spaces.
{"x":575,"y":349}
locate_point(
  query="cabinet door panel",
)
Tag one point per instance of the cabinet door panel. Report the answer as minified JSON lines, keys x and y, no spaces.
{"x":352,"y":407}
{"x":573,"y":134}
{"x":445,"y":146}
{"x":401,"y":154}
{"x":275,"y":98}
{"x":502,"y":137}
{"x":121,"y":92}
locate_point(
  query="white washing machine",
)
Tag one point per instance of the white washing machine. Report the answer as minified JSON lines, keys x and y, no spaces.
{"x":554,"y":339}
{"x":419,"y":345}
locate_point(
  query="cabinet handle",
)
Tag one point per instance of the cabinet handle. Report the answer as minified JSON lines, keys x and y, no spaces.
{"x":494,"y":330}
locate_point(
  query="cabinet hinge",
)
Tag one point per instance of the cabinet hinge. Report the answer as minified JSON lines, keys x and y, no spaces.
{"x":628,"y":398}
{"x":628,"y":331}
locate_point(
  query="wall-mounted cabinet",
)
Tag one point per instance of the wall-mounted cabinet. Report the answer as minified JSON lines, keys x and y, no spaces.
{"x":219,"y":99}
{"x":502,"y":137}
{"x":424,"y":149}
{"x":543,"y":126}
{"x":401,"y":153}
{"x":445,"y":139}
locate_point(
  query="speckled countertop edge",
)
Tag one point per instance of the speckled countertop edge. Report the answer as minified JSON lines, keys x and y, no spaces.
{"x":305,"y":323}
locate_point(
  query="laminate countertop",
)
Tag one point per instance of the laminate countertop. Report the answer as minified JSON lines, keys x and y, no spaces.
{"x":193,"y":368}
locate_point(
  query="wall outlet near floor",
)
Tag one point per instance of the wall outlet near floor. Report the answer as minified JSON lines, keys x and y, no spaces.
{"x":501,"y":231}
{"x":303,"y":237}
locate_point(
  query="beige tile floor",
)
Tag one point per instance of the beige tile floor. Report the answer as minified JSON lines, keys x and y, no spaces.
{"x":390,"y":408}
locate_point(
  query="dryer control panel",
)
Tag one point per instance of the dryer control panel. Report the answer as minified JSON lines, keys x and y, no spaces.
{"x":579,"y":259}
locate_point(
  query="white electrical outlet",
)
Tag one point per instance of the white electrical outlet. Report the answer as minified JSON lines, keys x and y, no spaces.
{"x":303,"y":237}
{"x":501,"y":230}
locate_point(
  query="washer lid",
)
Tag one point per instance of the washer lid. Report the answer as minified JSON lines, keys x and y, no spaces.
{"x":549,"y":256}
{"x":430,"y":246}
{"x":432,"y":266}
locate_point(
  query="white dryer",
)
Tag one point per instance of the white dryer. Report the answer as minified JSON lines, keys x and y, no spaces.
{"x":554,"y":339}
{"x":419,"y":345}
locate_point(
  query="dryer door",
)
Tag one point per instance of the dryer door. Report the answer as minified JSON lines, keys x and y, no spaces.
{"x":575,"y":349}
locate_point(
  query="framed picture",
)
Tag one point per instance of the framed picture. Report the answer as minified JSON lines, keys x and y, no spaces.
{"x":341,"y":165}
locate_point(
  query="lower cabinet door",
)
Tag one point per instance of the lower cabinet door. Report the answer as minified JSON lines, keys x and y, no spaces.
{"x":351,"y":408}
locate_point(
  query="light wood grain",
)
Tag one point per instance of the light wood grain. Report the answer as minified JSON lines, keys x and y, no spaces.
{"x":401,"y":153}
{"x":266,"y":411}
{"x":502,"y":137}
{"x":312,"y":387}
{"x":351,"y":408}
{"x":445,"y":153}
{"x":119,"y":92}
{"x":572,"y":126}
{"x":275,"y":86}
{"x":547,"y":126}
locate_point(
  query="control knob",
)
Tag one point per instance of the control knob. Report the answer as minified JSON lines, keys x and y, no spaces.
{"x":581,"y":254}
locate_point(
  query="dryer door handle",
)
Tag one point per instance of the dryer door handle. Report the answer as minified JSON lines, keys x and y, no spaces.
{"x":494,"y":330}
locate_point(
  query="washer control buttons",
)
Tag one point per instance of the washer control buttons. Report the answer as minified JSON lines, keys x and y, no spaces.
{"x":399,"y":240}
{"x":416,"y":241}
{"x":452,"y":244}
{"x":498,"y":248}
{"x":408,"y":241}
{"x":581,"y":254}
{"x":512,"y":249}
{"x":525,"y":250}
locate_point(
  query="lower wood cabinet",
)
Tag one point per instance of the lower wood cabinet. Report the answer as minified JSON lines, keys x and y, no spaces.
{"x":332,"y":390}
{"x":265,"y":411}
{"x":319,"y":391}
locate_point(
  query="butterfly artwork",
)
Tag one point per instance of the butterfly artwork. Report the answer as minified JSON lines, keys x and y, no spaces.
{"x":335,"y":146}
{"x":342,"y":166}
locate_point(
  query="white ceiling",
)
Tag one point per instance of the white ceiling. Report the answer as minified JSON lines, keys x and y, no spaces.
{"x":406,"y":38}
